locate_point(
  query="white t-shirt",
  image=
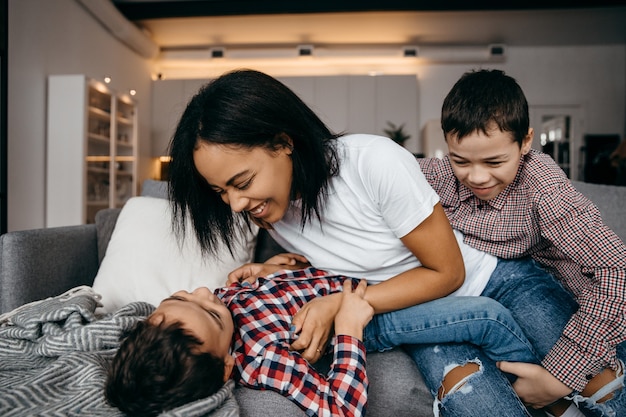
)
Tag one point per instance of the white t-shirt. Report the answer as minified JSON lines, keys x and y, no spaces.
{"x":379,"y":196}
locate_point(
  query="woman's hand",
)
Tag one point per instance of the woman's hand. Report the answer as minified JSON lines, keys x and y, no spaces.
{"x":313,"y":325}
{"x":355,"y":312}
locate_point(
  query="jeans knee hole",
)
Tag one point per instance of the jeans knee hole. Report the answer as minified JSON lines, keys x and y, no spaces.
{"x":457,"y":377}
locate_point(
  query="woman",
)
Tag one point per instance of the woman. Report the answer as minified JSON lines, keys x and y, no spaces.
{"x":357,"y":205}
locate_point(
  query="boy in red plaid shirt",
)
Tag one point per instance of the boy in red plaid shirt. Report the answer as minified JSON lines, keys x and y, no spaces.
{"x":182,"y":352}
{"x":155,"y":370}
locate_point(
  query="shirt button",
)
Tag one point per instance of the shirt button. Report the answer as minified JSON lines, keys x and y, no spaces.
{"x":588,"y":377}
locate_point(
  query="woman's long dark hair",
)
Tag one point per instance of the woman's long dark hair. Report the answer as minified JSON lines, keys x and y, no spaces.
{"x":249,"y":109}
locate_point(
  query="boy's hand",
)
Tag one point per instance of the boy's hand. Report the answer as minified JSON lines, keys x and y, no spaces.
{"x":294,"y":260}
{"x":355,"y":312}
{"x":250,"y":272}
{"x":535,"y":386}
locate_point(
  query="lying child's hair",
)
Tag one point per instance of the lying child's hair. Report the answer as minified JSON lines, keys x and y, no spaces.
{"x":158,"y":368}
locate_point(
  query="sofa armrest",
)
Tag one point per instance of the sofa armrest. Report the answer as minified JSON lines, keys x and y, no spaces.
{"x":41,"y":263}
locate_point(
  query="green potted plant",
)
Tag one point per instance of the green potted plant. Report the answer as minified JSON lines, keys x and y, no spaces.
{"x":396,"y":133}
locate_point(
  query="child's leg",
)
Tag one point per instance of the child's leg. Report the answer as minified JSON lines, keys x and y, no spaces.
{"x":478,"y":389}
{"x":537,"y":301}
{"x":477,"y":320}
{"x":605,"y":395}
{"x":542,"y":308}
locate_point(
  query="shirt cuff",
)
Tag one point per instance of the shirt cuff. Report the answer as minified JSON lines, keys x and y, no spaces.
{"x":567,"y":363}
{"x":349,"y":351}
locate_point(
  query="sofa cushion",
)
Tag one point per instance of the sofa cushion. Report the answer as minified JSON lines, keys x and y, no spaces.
{"x":145,"y":262}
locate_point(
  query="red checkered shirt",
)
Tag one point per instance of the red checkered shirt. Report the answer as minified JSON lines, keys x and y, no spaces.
{"x":540,"y":214}
{"x":263,"y":313}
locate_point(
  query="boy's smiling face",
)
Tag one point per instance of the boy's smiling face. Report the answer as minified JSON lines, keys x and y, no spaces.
{"x":487,"y":164}
{"x":204,"y":316}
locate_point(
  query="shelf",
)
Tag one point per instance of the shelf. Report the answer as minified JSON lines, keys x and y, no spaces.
{"x":98,"y":170}
{"x":98,"y":203}
{"x":91,"y":162}
{"x":98,"y":138}
{"x":124,"y":121}
{"x":99,"y":113}
{"x":124,"y":144}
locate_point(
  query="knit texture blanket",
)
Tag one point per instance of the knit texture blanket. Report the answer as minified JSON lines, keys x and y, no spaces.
{"x":54,"y":356}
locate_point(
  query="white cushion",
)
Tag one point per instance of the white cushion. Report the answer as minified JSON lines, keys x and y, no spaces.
{"x":145,"y":262}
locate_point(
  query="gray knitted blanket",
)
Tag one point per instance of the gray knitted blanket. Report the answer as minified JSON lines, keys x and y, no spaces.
{"x":54,"y":354}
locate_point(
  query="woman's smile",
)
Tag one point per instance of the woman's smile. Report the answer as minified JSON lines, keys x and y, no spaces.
{"x":255,"y":180}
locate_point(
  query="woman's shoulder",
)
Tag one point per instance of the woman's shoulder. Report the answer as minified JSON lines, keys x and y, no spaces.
{"x":363,"y":145}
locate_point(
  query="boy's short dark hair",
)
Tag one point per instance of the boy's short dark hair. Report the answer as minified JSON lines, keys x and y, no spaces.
{"x":481,"y":98}
{"x":158,"y":368}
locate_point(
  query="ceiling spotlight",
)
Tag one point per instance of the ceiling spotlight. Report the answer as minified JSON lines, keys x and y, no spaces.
{"x":217,"y":52}
{"x":305,"y":50}
{"x":410,"y":52}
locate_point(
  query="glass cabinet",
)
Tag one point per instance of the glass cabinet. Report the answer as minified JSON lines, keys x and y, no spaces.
{"x":92,"y":158}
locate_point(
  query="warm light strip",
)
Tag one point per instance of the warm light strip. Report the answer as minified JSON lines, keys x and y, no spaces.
{"x":430,"y":52}
{"x":105,"y":158}
{"x":98,"y":158}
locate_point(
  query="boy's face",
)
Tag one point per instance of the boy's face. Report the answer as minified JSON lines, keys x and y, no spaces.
{"x":203,"y":315}
{"x":254,"y":180}
{"x":487,"y":164}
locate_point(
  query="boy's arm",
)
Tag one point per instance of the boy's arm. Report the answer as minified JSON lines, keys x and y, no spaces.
{"x":574,"y":225}
{"x":343,"y":392}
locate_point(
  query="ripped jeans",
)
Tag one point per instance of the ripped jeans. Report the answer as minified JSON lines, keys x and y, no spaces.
{"x":541,"y":307}
{"x":477,"y":321}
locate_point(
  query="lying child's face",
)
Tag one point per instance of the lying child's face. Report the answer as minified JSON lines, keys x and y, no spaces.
{"x":486,"y":164}
{"x":203,"y":315}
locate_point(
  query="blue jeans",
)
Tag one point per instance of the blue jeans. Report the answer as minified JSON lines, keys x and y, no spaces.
{"x":541,"y":307}
{"x":479,"y":321}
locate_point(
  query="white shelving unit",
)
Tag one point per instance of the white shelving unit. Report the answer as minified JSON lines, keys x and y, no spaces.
{"x":92,"y":149}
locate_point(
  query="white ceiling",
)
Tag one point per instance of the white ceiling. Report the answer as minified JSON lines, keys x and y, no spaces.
{"x":511,"y":27}
{"x":185,"y":41}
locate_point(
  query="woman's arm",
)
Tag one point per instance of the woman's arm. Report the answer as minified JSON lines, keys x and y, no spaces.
{"x":442,"y":271}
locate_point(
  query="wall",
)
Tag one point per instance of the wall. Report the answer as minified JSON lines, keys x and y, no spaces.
{"x":54,"y":37}
{"x":346,"y":103}
{"x":58,"y":37}
{"x":591,"y":76}
{"x":589,"y":80}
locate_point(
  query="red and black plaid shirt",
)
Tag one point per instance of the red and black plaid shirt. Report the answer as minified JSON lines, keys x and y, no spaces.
{"x":540,"y":214}
{"x":263,"y":313}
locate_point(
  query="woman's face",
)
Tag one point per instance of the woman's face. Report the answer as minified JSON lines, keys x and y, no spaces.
{"x":255,"y":180}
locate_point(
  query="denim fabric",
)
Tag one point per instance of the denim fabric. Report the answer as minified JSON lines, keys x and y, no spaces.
{"x":477,"y":320}
{"x":541,"y":307}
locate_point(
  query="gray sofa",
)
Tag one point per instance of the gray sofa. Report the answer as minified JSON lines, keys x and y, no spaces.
{"x":35,"y":264}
